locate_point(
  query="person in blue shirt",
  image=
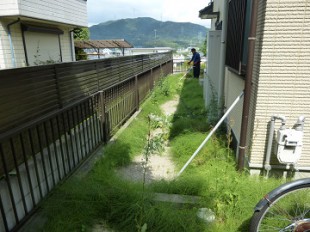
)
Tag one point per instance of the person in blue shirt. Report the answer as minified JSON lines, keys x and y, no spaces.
{"x":196,"y":63}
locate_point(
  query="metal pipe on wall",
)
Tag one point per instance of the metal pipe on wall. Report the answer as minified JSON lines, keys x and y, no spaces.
{"x":4,"y":59}
{"x":248,"y":86}
{"x":223,"y":54}
{"x":11,"y":42}
{"x":72,"y":45}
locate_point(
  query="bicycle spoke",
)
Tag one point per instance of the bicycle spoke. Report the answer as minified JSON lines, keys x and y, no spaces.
{"x":287,"y":212}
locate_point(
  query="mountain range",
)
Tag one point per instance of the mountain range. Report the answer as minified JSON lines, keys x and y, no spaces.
{"x":148,"y":32}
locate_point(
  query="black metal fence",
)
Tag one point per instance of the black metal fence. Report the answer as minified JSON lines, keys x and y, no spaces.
{"x":35,"y":155}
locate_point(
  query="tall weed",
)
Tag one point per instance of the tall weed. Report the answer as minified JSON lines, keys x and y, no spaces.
{"x":102,"y":196}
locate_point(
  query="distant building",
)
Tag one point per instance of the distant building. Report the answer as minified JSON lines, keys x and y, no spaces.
{"x":138,"y":51}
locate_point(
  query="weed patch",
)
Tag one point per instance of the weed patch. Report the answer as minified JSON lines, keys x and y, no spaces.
{"x":102,"y":195}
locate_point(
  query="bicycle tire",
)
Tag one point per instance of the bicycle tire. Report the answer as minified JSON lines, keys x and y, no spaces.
{"x":289,"y":210}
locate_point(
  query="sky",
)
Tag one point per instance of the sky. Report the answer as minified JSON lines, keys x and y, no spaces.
{"x":163,"y":10}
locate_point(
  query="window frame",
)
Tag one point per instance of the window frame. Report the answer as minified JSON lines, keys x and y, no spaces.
{"x":238,"y":25}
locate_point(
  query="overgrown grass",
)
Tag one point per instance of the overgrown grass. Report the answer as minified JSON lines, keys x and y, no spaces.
{"x":102,"y":197}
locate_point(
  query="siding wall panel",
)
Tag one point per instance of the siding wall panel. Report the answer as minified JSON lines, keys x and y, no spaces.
{"x":281,"y":73}
{"x":72,"y":12}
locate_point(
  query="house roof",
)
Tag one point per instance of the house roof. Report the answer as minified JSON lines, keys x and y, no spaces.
{"x":117,"y":43}
{"x":207,"y":12}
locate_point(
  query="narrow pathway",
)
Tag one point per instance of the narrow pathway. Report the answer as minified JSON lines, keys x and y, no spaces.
{"x":158,"y":167}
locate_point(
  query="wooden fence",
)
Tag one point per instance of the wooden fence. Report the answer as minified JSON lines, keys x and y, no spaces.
{"x":27,"y":93}
{"x":53,"y":117}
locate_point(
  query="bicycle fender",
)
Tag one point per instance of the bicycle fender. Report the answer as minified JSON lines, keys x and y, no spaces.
{"x":268,"y":198}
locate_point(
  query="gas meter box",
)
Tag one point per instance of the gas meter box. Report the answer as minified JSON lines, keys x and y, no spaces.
{"x":289,"y":145}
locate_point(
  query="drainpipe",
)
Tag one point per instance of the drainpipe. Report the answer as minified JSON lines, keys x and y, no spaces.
{"x":223,"y":54}
{"x":72,"y":45}
{"x":248,"y":85}
{"x":11,"y":42}
{"x":4,"y":59}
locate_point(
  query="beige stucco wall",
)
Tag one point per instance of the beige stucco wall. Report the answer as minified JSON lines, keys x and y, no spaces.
{"x":281,"y":80}
{"x":234,"y":85}
{"x":73,"y":12}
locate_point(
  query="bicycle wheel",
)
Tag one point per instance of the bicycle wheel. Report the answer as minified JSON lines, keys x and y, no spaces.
{"x":287,"y":211}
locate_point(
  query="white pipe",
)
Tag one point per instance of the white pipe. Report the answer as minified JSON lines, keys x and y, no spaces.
{"x":278,"y":167}
{"x":11,"y":42}
{"x":72,"y":45}
{"x":269,"y":146}
{"x":211,"y":133}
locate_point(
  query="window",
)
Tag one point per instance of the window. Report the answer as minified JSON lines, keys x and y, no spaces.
{"x":238,"y":26}
{"x":42,"y":44}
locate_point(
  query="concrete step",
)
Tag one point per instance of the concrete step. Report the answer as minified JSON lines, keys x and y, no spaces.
{"x":177,"y":198}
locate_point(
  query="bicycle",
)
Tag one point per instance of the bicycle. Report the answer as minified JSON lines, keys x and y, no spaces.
{"x":286,"y":208}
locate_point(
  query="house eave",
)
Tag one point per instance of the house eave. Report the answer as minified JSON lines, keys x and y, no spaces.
{"x":38,"y":20}
{"x":208,"y":13}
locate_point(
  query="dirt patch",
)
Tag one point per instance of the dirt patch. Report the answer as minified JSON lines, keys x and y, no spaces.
{"x":170,"y":107}
{"x":157,"y":167}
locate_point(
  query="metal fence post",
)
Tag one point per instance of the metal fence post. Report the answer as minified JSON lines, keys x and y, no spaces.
{"x":151,"y":80}
{"x":97,"y":75}
{"x":103,"y":126}
{"x":137,"y":93}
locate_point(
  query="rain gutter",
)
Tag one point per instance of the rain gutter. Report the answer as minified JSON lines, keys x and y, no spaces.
{"x":248,"y":86}
{"x":71,"y":32}
{"x":11,"y":42}
{"x":223,"y":54}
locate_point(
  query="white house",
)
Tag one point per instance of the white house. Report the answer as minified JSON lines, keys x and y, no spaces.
{"x":39,"y":32}
{"x":139,"y":51}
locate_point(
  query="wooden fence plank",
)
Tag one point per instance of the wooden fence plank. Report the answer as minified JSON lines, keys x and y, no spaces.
{"x":27,"y":92}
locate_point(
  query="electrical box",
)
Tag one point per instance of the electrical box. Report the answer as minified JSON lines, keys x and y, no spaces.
{"x":289,"y":145}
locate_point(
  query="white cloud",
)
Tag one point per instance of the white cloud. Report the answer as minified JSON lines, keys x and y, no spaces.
{"x":165,"y":10}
